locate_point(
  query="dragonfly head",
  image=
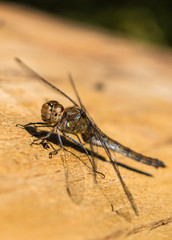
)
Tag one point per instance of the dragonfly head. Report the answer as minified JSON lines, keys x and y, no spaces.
{"x":52,"y":112}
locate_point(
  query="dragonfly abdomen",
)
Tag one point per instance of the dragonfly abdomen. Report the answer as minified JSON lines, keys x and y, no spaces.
{"x":136,"y":156}
{"x":116,"y":146}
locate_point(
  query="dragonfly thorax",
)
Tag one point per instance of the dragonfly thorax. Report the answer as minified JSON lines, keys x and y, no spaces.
{"x":52,"y":112}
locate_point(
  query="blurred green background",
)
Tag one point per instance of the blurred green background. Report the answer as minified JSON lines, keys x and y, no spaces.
{"x":147,"y":20}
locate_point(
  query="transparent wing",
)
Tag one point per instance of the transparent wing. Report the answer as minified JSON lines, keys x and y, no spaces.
{"x":35,"y":74}
{"x":93,"y":128}
{"x":92,"y":124}
{"x":114,"y":164}
{"x":74,"y":175}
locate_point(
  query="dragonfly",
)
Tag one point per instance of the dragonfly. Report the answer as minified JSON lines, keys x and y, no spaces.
{"x":76,"y":120}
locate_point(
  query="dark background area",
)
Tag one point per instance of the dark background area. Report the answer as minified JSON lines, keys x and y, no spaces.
{"x":147,"y":20}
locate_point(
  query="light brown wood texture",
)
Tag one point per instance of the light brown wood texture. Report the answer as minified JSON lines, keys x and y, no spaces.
{"x":126,"y":87}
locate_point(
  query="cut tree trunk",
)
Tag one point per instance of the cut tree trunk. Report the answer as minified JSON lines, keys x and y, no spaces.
{"x":126,"y":87}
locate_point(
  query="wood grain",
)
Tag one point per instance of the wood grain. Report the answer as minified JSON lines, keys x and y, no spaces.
{"x":126,"y":87}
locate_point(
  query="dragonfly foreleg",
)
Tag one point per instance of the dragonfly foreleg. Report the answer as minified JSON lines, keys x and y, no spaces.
{"x":44,"y":137}
{"x":36,"y":124}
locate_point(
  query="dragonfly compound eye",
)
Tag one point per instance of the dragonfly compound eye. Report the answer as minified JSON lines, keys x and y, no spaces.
{"x":52,"y":112}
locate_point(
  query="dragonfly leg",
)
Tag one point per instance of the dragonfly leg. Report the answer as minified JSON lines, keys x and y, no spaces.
{"x":36,"y":124}
{"x":73,"y":140}
{"x":61,"y":145}
{"x":44,"y":137}
{"x":80,"y":144}
{"x":79,"y":140}
{"x":45,"y":144}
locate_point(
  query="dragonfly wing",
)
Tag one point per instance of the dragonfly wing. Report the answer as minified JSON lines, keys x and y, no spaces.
{"x":113,"y":162}
{"x":94,"y":129}
{"x":93,"y":159}
{"x":110,"y":188}
{"x":35,"y":74}
{"x":74,"y":175}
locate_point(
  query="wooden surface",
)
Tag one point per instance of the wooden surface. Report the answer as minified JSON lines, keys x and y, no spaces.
{"x":127,"y":89}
